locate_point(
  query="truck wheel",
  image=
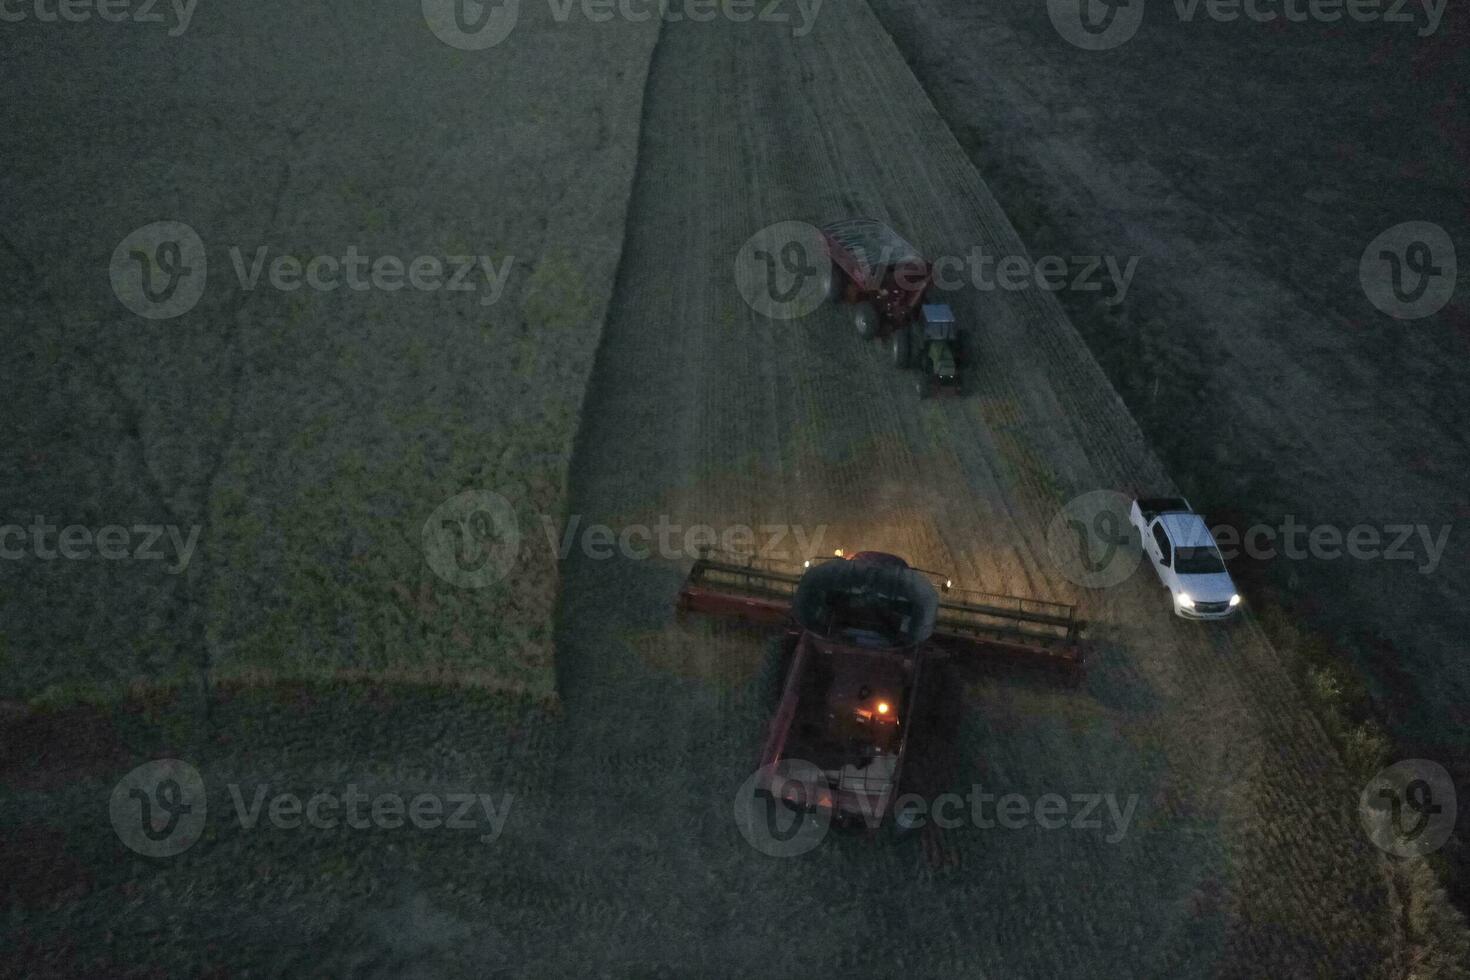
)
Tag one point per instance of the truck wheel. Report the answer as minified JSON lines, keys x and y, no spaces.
{"x":865,"y":319}
{"x":898,"y":346}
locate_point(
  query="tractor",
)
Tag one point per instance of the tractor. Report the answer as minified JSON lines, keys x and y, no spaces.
{"x":934,"y":344}
{"x":885,"y":280}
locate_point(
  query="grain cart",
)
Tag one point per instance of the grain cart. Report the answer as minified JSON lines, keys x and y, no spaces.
{"x":859,"y":635}
{"x":874,"y":270}
{"x":936,"y":346}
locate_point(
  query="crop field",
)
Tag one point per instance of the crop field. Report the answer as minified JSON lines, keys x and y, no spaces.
{"x":603,"y":832}
{"x":296,"y":439}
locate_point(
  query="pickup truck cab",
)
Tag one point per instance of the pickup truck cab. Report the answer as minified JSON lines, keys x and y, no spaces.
{"x":1184,"y":554}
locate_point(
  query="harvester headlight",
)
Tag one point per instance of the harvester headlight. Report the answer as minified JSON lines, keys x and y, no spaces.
{"x":1235,"y":599}
{"x":1185,"y":602}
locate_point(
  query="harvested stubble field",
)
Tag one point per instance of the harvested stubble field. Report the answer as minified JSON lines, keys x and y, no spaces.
{"x":1249,"y":165}
{"x":620,"y":855}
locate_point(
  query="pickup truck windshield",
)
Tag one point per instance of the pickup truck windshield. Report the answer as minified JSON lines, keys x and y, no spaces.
{"x":1198,"y":561}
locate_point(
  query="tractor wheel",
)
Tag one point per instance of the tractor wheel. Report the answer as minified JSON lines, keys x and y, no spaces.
{"x":865,"y":319}
{"x":898,"y":346}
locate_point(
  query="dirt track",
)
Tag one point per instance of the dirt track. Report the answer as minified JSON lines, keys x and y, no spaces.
{"x":1245,"y":855}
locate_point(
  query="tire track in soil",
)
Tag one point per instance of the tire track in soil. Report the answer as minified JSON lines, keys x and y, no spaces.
{"x":1244,"y":855}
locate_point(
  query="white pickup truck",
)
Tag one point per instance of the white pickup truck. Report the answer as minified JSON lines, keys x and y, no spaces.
{"x":1183,"y":551}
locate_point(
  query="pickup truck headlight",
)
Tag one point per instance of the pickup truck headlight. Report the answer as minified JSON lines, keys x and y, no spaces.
{"x":1235,"y":599}
{"x":1185,"y":602}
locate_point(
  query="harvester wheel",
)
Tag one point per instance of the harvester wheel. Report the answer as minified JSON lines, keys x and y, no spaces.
{"x":865,"y":319}
{"x":898,"y":346}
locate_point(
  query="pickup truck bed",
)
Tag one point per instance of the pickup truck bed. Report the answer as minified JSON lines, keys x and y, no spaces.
{"x":1151,"y":507}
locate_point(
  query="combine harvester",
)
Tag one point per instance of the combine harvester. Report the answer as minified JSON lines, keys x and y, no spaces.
{"x":860,"y":634}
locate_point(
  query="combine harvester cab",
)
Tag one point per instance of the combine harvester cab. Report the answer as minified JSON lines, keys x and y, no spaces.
{"x":864,"y":631}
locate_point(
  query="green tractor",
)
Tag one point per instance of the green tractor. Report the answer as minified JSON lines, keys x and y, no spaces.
{"x":936,"y":346}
